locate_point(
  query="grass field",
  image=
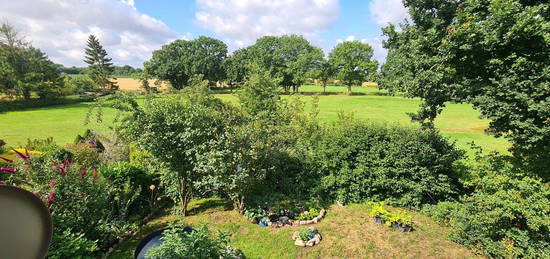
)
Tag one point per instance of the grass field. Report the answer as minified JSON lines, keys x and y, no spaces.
{"x":458,"y":121}
{"x":348,"y":232}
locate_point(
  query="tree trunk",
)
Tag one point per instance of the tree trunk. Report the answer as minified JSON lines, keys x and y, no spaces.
{"x":324,"y":88}
{"x":349,"y":88}
{"x":185,"y":194}
{"x":239,"y":204}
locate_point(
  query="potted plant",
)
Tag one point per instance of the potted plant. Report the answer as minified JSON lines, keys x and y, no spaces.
{"x":378,"y":212}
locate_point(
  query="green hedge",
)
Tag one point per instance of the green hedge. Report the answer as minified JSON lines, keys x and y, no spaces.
{"x":408,"y":167}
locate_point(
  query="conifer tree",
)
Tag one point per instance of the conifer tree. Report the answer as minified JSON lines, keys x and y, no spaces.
{"x":100,"y":66}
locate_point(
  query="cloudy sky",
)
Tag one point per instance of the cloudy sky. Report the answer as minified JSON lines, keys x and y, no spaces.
{"x":131,"y":29}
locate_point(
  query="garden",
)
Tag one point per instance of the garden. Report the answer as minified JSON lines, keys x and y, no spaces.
{"x":225,"y":170}
{"x":276,"y":150}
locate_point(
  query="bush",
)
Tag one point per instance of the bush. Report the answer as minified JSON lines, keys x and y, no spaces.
{"x":82,"y":85}
{"x":133,"y":195}
{"x":85,"y":154}
{"x":508,"y":218}
{"x":403,"y":166}
{"x":80,"y":200}
{"x":506,"y":214}
{"x":177,"y":243}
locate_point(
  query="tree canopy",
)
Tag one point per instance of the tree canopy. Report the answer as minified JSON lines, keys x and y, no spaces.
{"x":352,"y":61}
{"x":289,"y":59}
{"x":180,"y":60}
{"x":25,"y":69}
{"x":492,"y":54}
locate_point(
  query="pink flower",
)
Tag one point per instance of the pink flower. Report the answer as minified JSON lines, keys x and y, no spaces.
{"x":85,"y":196}
{"x":50,"y":197}
{"x":1,"y":182}
{"x":52,"y":184}
{"x":7,"y":170}
{"x":24,"y":157}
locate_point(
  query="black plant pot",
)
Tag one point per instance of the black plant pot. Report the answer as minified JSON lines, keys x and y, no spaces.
{"x":405,"y":228}
{"x":379,"y":220}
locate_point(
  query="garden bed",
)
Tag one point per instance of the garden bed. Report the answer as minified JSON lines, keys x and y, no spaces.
{"x":286,"y":215}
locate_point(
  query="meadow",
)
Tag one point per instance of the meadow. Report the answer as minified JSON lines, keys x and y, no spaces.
{"x":460,"y":122}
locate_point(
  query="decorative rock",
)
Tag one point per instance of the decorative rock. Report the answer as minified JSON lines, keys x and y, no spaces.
{"x":295,"y":235}
{"x":299,"y":242}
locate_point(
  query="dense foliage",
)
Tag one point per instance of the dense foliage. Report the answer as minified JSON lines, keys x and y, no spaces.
{"x":24,"y":69}
{"x":179,"y":242}
{"x":180,"y":60}
{"x":492,"y":54}
{"x":506,"y":216}
{"x":289,"y":59}
{"x":408,"y":167}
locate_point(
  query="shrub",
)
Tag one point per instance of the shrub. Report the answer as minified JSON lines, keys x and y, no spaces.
{"x":133,"y":194}
{"x":82,"y":85}
{"x":84,"y":154}
{"x":177,"y":243}
{"x":506,"y":214}
{"x":403,"y":166}
{"x":508,"y":218}
{"x":79,"y":200}
{"x":311,"y":213}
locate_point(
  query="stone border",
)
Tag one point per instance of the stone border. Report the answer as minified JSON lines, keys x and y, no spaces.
{"x":314,"y":220}
{"x":312,"y":242}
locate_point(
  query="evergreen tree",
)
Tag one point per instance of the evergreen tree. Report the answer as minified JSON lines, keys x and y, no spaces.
{"x":100,"y":66}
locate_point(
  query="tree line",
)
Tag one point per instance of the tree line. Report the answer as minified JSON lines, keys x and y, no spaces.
{"x":289,"y":59}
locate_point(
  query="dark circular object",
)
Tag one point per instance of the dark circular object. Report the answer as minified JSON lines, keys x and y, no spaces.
{"x":25,"y":224}
{"x":152,"y":240}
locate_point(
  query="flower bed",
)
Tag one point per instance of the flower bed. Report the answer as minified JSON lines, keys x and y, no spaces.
{"x":279,"y":217}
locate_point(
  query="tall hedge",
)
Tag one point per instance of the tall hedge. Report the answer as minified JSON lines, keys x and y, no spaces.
{"x":408,"y":167}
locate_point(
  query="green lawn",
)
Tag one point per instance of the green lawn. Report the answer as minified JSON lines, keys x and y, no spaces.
{"x":458,"y":121}
{"x":348,"y":232}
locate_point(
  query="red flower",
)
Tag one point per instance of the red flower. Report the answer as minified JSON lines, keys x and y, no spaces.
{"x":1,"y":182}
{"x":83,"y":172}
{"x":52,"y":184}
{"x":7,"y":170}
{"x":85,"y":196}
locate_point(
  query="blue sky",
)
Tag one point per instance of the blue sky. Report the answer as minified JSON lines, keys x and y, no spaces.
{"x":354,"y":19}
{"x":131,"y":29}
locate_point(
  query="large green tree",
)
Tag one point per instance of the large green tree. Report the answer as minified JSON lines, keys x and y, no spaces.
{"x":289,"y":58}
{"x":352,"y":61}
{"x":492,"y":54}
{"x":25,"y":69}
{"x":180,"y":60}
{"x":100,"y":66}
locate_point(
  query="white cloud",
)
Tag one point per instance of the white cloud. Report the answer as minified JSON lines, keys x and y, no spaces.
{"x":243,"y":21}
{"x":380,"y":52}
{"x":388,"y":11}
{"x":61,"y":27}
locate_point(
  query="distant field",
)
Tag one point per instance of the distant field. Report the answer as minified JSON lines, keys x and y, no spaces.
{"x":458,"y":121}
